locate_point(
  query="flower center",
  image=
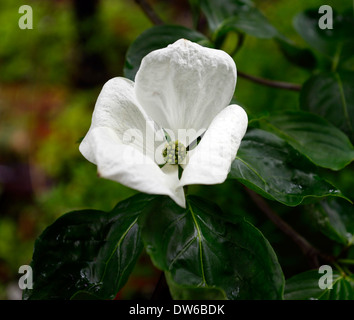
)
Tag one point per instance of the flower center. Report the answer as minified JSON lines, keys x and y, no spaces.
{"x":174,"y":153}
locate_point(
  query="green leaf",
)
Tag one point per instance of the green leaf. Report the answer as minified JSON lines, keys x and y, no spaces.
{"x":334,"y":218}
{"x":331,"y":95}
{"x":268,"y":165}
{"x":335,"y":43}
{"x":241,"y":15}
{"x":217,"y":11}
{"x":313,"y":136}
{"x":303,"y":58}
{"x":156,"y":38}
{"x":193,"y":293}
{"x":305,"y":286}
{"x":88,"y":253}
{"x":201,"y":248}
{"x":251,"y":22}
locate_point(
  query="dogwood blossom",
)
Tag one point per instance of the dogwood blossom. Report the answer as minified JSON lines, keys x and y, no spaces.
{"x":143,"y":133}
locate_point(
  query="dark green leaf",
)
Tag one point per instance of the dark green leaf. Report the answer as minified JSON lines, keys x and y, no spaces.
{"x":303,"y":58}
{"x":200,"y":248}
{"x":156,"y":38}
{"x":331,"y":95}
{"x":334,"y":218}
{"x":336,"y":43}
{"x":193,"y":293}
{"x":305,"y":286}
{"x":251,"y":22}
{"x":313,"y":136}
{"x":216,"y":11}
{"x":88,"y":253}
{"x":268,"y":165}
{"x":241,"y":15}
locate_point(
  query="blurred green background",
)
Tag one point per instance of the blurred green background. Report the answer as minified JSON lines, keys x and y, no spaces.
{"x":50,"y":78}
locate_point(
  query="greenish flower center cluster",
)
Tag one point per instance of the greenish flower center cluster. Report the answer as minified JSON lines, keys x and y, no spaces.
{"x":175,"y":152}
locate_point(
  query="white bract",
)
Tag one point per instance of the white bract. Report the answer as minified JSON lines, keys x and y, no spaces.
{"x":142,"y":132}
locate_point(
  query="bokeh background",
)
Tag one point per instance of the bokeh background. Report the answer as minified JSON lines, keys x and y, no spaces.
{"x":50,"y":78}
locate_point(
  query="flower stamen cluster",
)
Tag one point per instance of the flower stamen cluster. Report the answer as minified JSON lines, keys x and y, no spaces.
{"x":175,"y":152}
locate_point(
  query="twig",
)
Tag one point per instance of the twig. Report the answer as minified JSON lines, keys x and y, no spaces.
{"x":346,"y":261}
{"x":308,"y":250}
{"x":271,"y":83}
{"x":149,"y":11}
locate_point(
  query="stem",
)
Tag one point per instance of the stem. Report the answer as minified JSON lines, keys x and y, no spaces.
{"x":240,"y":42}
{"x":347,"y":271}
{"x":149,"y":12}
{"x":308,"y":250}
{"x":346,"y":261}
{"x":271,"y":83}
{"x":339,"y":268}
{"x":336,"y":57}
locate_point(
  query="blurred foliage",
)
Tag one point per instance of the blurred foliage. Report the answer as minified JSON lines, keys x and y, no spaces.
{"x":44,"y":113}
{"x":42,"y":118}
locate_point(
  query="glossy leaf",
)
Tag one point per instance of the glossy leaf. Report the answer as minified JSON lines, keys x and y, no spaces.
{"x":156,"y":38}
{"x":334,"y":218}
{"x":88,"y":253}
{"x":335,"y":43}
{"x":179,"y":292}
{"x":241,"y":15}
{"x":244,"y":17}
{"x":268,"y":165}
{"x":305,"y":286}
{"x":313,"y":136}
{"x":217,"y":11}
{"x":251,"y":22}
{"x":200,"y":248}
{"x":331,"y":95}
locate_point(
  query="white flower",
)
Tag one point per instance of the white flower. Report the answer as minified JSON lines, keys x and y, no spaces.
{"x":182,"y":90}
